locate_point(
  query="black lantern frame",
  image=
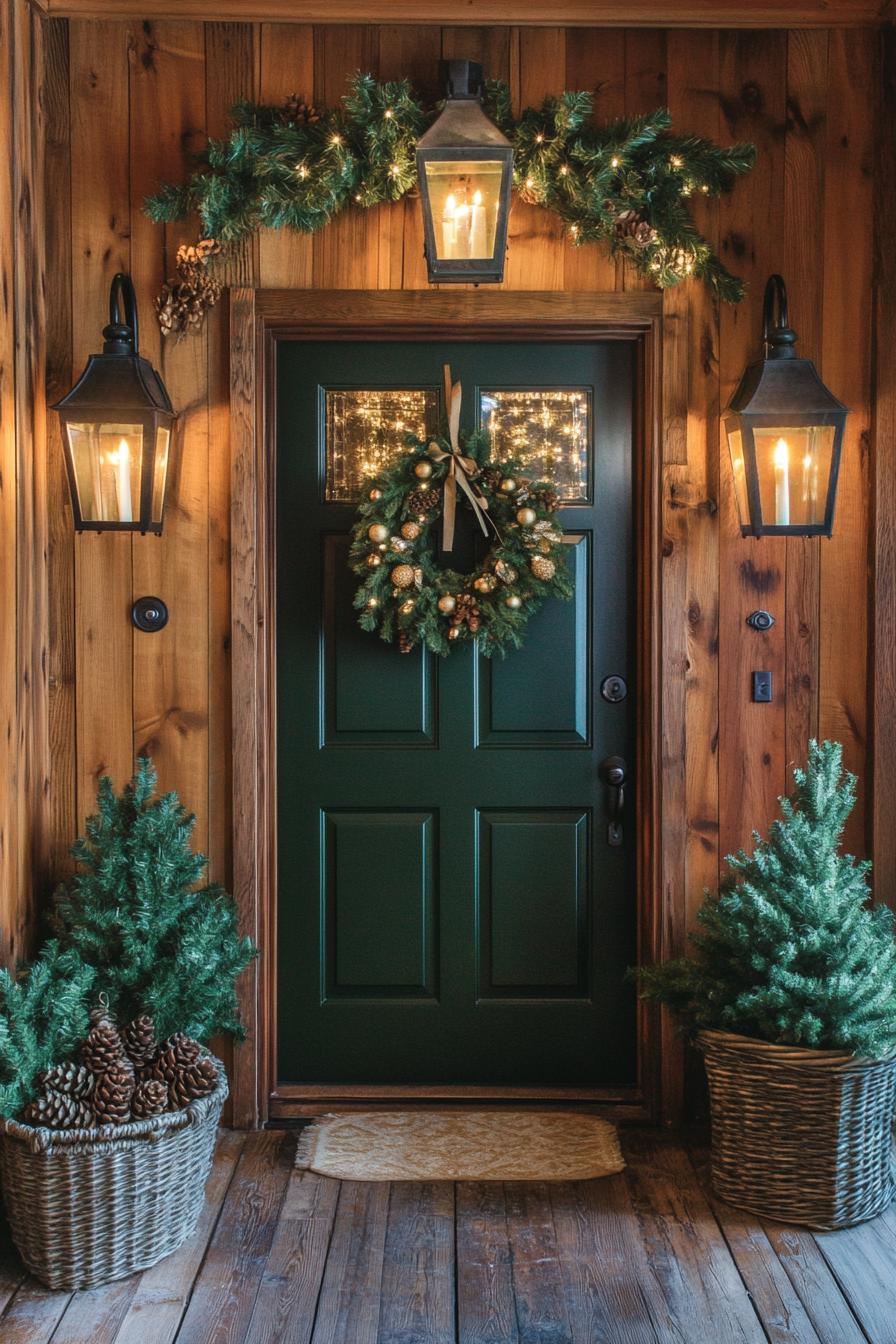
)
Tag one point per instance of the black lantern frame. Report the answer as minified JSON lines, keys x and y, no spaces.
{"x":778,"y":396}
{"x":464,"y":143}
{"x":119,"y":395}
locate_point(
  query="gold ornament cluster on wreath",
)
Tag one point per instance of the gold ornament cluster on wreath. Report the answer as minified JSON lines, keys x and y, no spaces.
{"x":121,"y":1075}
{"x":409,"y":596}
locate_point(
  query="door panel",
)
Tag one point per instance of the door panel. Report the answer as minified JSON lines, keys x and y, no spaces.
{"x":449,"y":909}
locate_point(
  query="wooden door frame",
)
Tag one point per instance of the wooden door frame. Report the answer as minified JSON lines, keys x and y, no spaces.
{"x":258,"y":320}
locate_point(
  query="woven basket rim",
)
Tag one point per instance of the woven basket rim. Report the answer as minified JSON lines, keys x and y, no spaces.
{"x":800,"y":1056}
{"x":40,"y":1139}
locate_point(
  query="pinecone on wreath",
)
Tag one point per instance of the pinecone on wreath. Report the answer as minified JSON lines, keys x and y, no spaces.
{"x":466,"y":611}
{"x":112,"y":1094}
{"x":296,"y":112}
{"x":58,"y":1110}
{"x":422,"y":501}
{"x":491,"y":477}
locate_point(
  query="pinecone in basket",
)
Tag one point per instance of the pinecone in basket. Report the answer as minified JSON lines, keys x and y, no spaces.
{"x":192,"y":1082}
{"x":103,"y":1047}
{"x":73,"y":1080}
{"x":58,"y":1110}
{"x":631,"y":226}
{"x":150,"y":1098}
{"x":112,"y":1094}
{"x":296,"y":112}
{"x":139,"y":1041}
{"x":421,"y":501}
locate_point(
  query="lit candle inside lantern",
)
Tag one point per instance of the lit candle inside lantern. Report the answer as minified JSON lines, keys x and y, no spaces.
{"x":477,"y":227}
{"x":462,"y":230}
{"x":449,"y":228}
{"x":807,"y":477}
{"x":122,"y":460}
{"x":782,"y":483}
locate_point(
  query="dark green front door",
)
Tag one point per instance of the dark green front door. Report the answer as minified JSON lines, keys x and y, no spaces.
{"x":450,"y":908}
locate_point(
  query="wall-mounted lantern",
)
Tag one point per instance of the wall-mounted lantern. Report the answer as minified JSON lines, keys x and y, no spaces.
{"x":117,"y":426}
{"x":465,"y":170}
{"x":785,"y":432}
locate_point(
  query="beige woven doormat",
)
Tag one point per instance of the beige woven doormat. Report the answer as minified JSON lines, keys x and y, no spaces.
{"x":460,"y":1146}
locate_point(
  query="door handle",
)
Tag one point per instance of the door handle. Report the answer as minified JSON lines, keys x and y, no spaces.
{"x":613,"y":774}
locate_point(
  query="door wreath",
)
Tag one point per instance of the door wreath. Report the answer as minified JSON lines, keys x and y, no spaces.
{"x":407,"y":593}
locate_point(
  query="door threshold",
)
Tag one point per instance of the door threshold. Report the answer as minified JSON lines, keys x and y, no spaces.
{"x":299,"y":1100}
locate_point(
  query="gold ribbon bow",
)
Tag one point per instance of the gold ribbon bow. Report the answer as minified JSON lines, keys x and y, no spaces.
{"x":461,"y":470}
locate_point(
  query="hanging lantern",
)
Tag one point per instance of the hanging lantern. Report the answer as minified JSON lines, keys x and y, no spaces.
{"x":785,"y":432}
{"x":117,"y":425}
{"x":465,"y":170}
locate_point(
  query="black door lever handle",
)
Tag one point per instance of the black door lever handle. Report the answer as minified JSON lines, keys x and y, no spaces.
{"x":613,"y":773}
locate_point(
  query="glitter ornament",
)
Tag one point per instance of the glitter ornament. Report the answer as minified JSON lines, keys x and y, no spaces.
{"x":377,"y":532}
{"x":402,"y":576}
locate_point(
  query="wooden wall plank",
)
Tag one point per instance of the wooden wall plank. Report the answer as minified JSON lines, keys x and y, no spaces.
{"x":60,"y":535}
{"x":171,"y":683}
{"x":751,"y":737}
{"x":595,"y":60}
{"x":883,"y":534}
{"x":9,"y":889}
{"x":537,"y":244}
{"x":846,"y":368}
{"x":101,"y":231}
{"x":646,"y":88}
{"x":803,"y":262}
{"x":286,"y":67}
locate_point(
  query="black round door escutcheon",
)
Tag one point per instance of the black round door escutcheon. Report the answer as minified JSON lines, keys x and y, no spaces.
{"x":614,"y":689}
{"x":149,"y":614}
{"x":760,"y":620}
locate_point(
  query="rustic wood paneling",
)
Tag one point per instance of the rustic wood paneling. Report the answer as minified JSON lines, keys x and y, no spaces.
{"x":128,"y":102}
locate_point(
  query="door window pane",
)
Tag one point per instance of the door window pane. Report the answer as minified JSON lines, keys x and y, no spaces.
{"x":366,"y":429}
{"x":548,"y":429}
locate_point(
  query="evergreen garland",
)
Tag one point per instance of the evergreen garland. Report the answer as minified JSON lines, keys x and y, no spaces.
{"x":157,"y":942}
{"x":789,"y":951}
{"x":525,"y":564}
{"x":626,"y":184}
{"x":44,"y":1013}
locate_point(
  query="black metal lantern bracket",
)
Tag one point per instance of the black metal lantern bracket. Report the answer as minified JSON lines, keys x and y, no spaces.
{"x":118,"y":388}
{"x":782,"y":394}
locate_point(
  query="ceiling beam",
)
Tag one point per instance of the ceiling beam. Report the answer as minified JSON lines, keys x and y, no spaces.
{"x":445,"y":13}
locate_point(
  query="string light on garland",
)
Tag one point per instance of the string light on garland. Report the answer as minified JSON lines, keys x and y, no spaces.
{"x":356,"y":155}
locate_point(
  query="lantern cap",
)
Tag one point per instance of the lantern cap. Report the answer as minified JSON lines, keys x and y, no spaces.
{"x":782,"y":388}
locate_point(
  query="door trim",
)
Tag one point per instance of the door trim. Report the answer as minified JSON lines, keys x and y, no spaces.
{"x":258,"y":320}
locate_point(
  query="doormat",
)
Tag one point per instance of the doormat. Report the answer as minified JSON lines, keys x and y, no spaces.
{"x":460,"y":1146}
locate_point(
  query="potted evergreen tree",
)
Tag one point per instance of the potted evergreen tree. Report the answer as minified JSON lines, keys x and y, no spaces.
{"x":791,"y":997}
{"x":109,"y":1097}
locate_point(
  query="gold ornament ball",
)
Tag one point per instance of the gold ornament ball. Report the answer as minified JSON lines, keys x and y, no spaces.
{"x":402,"y":576}
{"x":508,"y":485}
{"x":542,"y":569}
{"x":373,"y":560}
{"x":454,"y":632}
{"x":376,"y":494}
{"x":526,"y":517}
{"x":513,"y":602}
{"x":423,"y":470}
{"x":410,"y":531}
{"x":485,"y":583}
{"x":377,"y":532}
{"x":447,"y":603}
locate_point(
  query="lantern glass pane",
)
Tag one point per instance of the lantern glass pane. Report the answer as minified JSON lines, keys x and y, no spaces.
{"x":106,"y":458}
{"x":736,"y":449}
{"x":160,"y":472}
{"x":794,"y":467}
{"x":464,"y":197}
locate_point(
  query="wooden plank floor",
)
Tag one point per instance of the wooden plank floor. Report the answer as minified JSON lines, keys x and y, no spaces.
{"x":646,"y":1257}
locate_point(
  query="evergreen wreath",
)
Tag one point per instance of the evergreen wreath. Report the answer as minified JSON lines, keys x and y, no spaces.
{"x":406,"y":593}
{"x":626,"y":184}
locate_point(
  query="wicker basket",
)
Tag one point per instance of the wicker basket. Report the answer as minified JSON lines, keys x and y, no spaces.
{"x":89,"y":1205}
{"x":800,"y":1135}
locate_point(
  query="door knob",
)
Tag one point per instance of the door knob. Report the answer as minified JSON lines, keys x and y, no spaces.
{"x":613,"y":773}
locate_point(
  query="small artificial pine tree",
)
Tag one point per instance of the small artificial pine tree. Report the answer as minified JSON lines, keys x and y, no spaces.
{"x":43,"y":1016}
{"x":789,"y":951}
{"x":159,"y":943}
